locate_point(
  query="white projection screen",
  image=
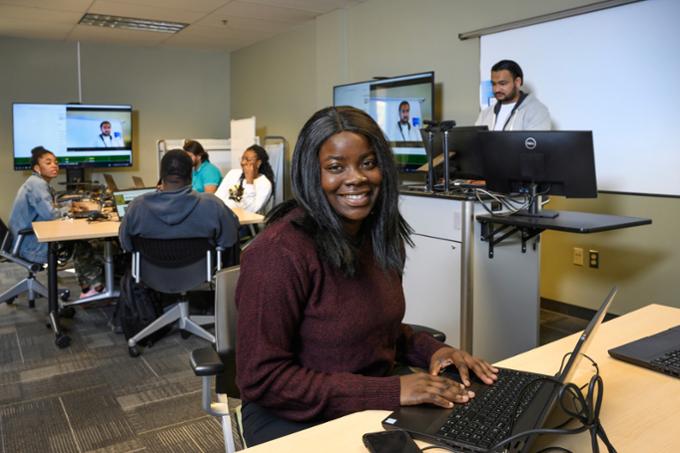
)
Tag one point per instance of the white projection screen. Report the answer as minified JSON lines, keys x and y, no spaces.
{"x":614,"y":72}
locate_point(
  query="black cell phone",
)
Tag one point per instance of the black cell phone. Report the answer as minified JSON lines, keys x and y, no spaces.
{"x":396,"y":441}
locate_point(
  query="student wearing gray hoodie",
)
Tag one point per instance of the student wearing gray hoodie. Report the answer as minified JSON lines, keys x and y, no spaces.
{"x":515,"y":109}
{"x":175,"y":211}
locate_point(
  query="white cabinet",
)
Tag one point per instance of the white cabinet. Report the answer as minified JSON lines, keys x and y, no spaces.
{"x":432,"y":285}
{"x":487,"y":306}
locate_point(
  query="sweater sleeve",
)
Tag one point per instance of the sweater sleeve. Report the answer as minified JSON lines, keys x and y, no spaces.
{"x":271,"y":297}
{"x":255,"y":195}
{"x":416,"y":349}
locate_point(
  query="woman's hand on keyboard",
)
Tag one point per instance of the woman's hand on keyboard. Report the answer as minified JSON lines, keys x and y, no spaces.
{"x":464,"y":362}
{"x":420,"y":388}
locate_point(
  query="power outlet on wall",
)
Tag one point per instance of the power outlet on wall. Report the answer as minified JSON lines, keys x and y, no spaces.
{"x":594,"y":259}
{"x":577,"y":256}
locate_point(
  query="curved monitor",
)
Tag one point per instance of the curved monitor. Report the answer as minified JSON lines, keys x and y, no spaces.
{"x":80,"y":135}
{"x":399,"y":105}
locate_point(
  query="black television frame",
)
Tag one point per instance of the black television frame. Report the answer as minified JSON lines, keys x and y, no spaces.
{"x":406,"y":167}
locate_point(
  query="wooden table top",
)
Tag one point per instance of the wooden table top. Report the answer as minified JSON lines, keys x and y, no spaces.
{"x":640,"y":411}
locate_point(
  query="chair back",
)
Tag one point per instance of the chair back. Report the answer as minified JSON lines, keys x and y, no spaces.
{"x":225,"y":309}
{"x":173,"y":265}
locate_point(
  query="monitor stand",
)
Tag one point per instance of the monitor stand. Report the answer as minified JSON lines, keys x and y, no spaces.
{"x":74,"y":178}
{"x":534,"y":204}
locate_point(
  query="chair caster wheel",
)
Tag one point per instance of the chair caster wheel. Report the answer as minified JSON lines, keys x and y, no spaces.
{"x":67,"y":312}
{"x":10,"y":301}
{"x":184,"y":334}
{"x":134,"y":351}
{"x":62,"y":340}
{"x":65,"y":295}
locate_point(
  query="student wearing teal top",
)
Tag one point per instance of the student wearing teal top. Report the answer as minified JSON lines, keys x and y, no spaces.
{"x":206,"y":176}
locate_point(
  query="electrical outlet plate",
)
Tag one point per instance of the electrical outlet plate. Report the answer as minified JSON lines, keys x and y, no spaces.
{"x":594,"y":259}
{"x":577,"y":256}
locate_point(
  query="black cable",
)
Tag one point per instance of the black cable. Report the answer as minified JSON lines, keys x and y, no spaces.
{"x":556,"y":448}
{"x":587,"y":411}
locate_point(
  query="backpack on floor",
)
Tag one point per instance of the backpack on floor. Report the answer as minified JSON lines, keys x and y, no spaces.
{"x":138,"y":306}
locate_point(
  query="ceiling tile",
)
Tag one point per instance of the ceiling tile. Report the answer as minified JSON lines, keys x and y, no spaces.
{"x":19,"y":13}
{"x":242,"y":23}
{"x":317,"y":6}
{"x":259,"y":11}
{"x":203,"y":42}
{"x":203,"y":6}
{"x":118,"y":8}
{"x":34,"y":30}
{"x":115,"y":35}
{"x":55,"y":5}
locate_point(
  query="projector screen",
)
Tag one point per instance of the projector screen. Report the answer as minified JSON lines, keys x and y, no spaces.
{"x":612,"y":72}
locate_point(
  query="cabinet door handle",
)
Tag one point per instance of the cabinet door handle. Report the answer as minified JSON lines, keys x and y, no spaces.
{"x":453,"y":247}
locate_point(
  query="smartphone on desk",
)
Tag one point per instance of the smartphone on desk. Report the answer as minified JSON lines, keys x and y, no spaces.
{"x":396,"y":441}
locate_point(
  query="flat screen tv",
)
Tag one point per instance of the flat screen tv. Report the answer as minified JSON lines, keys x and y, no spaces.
{"x":399,"y":105}
{"x":80,"y":135}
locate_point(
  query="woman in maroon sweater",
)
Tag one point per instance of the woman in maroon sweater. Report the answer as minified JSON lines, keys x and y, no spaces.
{"x":320,"y":298}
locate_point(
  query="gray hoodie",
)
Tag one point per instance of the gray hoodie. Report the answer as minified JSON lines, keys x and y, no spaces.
{"x":178,"y":214}
{"x":529,"y":115}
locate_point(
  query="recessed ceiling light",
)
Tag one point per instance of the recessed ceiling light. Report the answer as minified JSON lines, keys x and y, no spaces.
{"x":131,"y":23}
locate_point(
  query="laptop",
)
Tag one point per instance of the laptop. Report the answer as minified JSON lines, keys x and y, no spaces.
{"x":659,"y":352}
{"x":122,"y":198}
{"x":517,"y":402}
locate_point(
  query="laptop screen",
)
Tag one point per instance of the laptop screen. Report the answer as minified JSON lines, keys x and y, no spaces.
{"x":123,"y":198}
{"x":585,"y":338}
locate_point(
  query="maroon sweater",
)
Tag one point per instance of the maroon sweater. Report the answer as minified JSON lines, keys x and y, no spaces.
{"x":312,"y":343}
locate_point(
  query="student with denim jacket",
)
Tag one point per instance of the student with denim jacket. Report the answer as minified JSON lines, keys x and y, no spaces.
{"x":35,"y":202}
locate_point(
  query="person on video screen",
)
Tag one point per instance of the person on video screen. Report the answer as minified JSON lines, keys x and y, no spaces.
{"x":406,"y":130}
{"x":107,"y":140}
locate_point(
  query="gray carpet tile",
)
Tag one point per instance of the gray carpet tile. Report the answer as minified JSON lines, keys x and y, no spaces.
{"x":92,"y":396}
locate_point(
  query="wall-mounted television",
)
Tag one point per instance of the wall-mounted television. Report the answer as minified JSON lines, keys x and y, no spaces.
{"x":399,"y":105}
{"x":80,"y":135}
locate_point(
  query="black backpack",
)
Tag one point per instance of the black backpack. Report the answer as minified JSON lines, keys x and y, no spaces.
{"x":138,"y":306}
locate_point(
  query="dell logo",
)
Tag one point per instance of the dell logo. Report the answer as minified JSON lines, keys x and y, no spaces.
{"x":530,"y":143}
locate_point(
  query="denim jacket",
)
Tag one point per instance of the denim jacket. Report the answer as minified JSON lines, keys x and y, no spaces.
{"x":34,"y":201}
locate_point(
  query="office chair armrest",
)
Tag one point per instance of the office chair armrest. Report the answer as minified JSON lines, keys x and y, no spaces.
{"x":26,"y":231}
{"x":437,"y":334}
{"x":206,"y":362}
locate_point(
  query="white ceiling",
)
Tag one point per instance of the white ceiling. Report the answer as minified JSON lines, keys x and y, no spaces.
{"x":214,"y":24}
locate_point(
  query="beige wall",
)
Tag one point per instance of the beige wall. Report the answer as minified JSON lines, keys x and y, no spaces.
{"x":175,"y":93}
{"x":284,"y":80}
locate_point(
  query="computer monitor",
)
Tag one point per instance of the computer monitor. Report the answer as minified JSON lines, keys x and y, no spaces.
{"x":79,"y":135}
{"x":399,"y":105}
{"x":465,"y":154}
{"x":540,"y":162}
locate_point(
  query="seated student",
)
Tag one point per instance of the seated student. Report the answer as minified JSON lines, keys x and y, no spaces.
{"x":35,"y":202}
{"x":320,"y":299}
{"x":176,"y":211}
{"x":250,"y":186}
{"x":206,"y":177}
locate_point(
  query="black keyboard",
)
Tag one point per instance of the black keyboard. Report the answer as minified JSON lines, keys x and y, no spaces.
{"x":669,"y":363}
{"x":488,"y":417}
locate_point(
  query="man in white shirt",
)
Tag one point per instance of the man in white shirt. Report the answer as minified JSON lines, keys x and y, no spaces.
{"x":515,"y":109}
{"x":405,"y":131}
{"x":105,"y":139}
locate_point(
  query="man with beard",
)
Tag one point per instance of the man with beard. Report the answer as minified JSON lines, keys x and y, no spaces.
{"x":515,"y":109}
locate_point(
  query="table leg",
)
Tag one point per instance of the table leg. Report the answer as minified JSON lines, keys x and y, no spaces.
{"x":61,"y":340}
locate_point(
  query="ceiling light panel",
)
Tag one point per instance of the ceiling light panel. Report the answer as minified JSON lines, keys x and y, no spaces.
{"x":131,"y":23}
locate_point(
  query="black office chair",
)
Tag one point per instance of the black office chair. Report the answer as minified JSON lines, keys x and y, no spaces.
{"x":9,"y":251}
{"x":174,"y":266}
{"x":220,"y":361}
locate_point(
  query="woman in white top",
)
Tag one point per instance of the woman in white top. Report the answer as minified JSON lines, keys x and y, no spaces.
{"x":250,"y":186}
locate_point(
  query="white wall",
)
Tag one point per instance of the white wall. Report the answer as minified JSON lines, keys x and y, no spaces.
{"x":175,"y":93}
{"x":285,"y":79}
